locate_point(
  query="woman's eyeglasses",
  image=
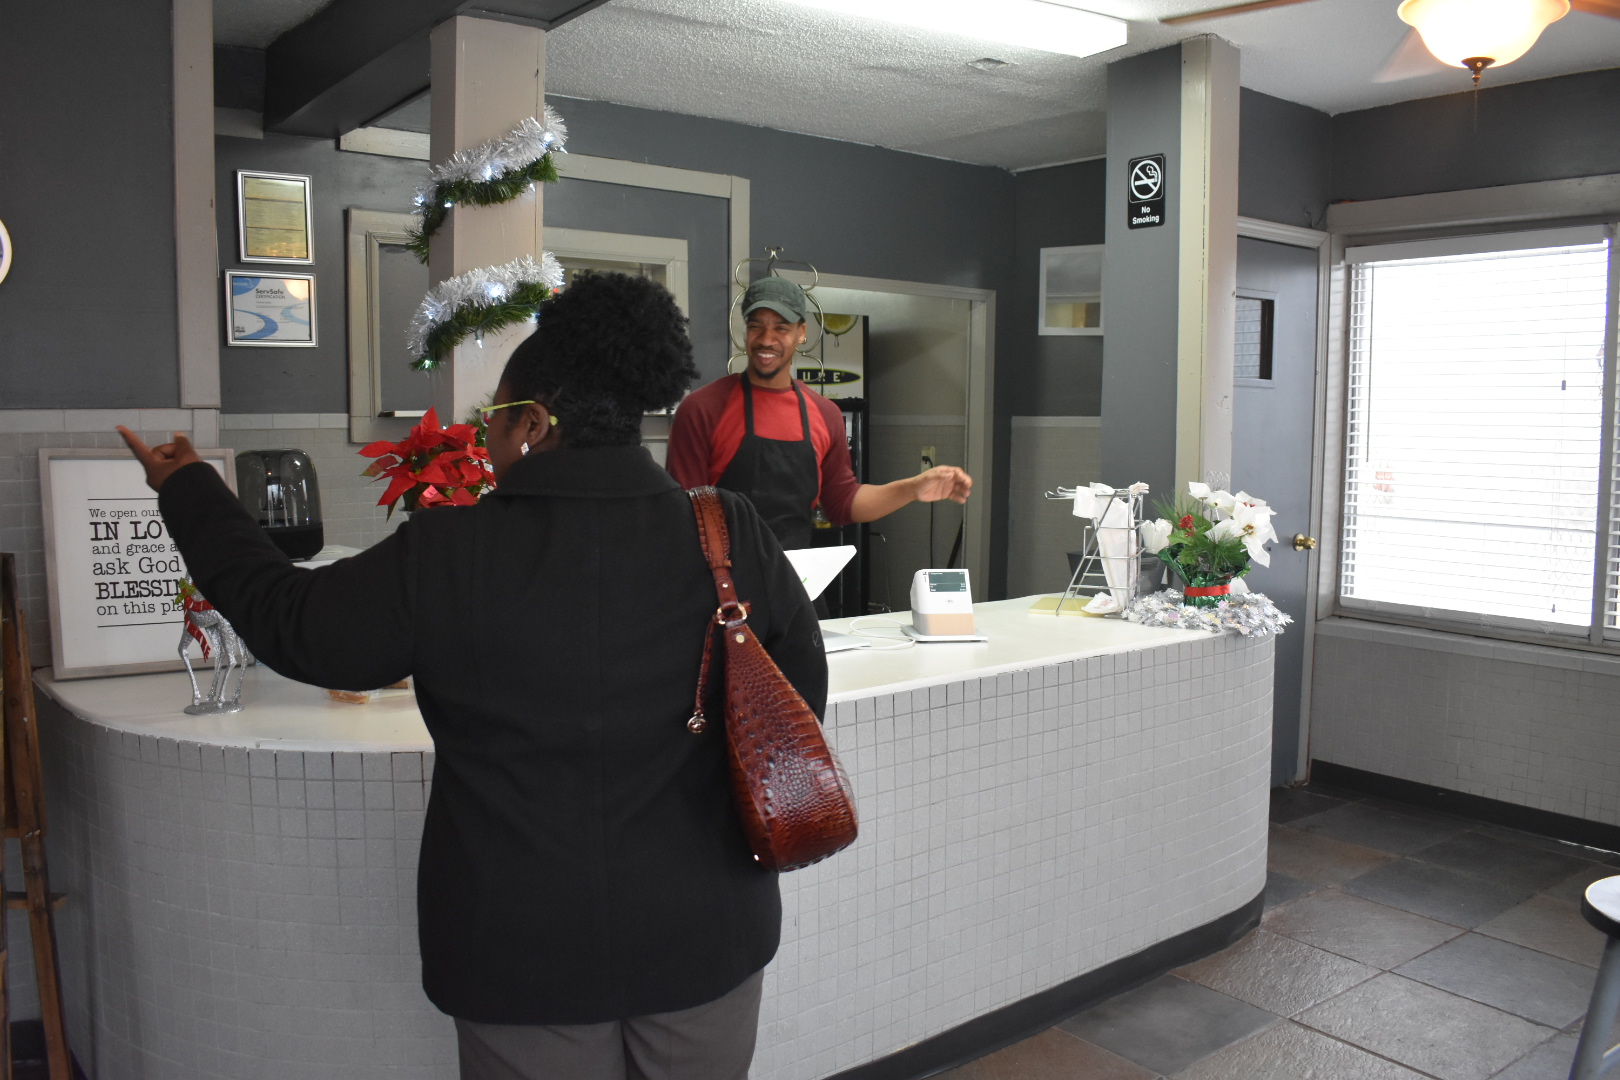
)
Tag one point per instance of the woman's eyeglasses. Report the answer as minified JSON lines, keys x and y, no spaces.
{"x":487,"y":413}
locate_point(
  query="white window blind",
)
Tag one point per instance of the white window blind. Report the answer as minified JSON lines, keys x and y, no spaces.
{"x":1475,"y":443}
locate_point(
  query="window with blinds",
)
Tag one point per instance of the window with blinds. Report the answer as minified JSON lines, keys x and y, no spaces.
{"x":1476,"y":449}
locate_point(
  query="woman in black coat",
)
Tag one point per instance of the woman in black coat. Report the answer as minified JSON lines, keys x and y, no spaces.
{"x":588,"y":904}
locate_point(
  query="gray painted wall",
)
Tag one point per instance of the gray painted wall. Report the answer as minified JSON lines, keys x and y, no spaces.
{"x":848,"y":208}
{"x":1285,"y":160}
{"x":1550,"y":129}
{"x":87,"y":188}
{"x":1140,"y":281}
{"x":1051,"y":376}
{"x":265,"y":380}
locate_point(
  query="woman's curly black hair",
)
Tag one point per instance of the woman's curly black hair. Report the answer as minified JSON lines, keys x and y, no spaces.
{"x":607,"y":349}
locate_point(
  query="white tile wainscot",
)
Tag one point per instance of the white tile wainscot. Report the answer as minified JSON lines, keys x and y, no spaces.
{"x":1062,"y":797}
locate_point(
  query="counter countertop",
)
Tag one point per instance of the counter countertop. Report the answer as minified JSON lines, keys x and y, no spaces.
{"x":286,"y":715}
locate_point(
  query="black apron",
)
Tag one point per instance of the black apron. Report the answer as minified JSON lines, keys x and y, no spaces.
{"x":782,"y":478}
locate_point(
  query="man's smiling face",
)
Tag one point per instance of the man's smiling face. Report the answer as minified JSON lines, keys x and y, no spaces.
{"x":771,"y":341}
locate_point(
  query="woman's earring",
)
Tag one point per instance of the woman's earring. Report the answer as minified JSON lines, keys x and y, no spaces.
{"x":553,"y":420}
{"x":524,"y":449}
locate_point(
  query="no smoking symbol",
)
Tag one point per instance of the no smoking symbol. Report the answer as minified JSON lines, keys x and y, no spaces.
{"x":1147,"y":179}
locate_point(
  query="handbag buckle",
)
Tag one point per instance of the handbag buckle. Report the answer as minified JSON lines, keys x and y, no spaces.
{"x":731,"y":614}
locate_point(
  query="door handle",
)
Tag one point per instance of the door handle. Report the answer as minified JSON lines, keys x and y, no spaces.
{"x":1304,"y":543}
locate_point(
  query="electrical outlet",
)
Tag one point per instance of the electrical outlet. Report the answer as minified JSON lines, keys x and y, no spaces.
{"x":928,"y":458}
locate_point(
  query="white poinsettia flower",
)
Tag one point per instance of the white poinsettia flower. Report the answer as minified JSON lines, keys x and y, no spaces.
{"x":1221,"y":501}
{"x":1155,"y":535}
{"x":1225,"y":530}
{"x":1197,"y":490}
{"x":1253,"y":525}
{"x":1249,"y":500}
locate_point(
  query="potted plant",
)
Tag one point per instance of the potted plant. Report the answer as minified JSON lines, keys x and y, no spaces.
{"x":1210,"y":538}
{"x":432,"y":466}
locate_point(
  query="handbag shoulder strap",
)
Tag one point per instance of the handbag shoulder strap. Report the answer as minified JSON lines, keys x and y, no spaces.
{"x":731,"y":613}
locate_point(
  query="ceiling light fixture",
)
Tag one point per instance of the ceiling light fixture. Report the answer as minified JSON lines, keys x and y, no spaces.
{"x":1054,"y":27}
{"x":1477,"y":34}
{"x":989,"y":63}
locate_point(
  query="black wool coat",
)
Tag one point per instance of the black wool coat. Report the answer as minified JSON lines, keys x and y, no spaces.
{"x":581,"y":858}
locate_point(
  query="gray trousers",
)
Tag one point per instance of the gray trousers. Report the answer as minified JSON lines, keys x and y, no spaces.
{"x":714,"y":1041}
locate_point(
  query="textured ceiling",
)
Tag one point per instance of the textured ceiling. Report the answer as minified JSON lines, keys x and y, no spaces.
{"x":256,"y":23}
{"x":776,"y":64}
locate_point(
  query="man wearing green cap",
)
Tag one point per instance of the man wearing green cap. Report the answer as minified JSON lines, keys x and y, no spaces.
{"x":770,"y":437}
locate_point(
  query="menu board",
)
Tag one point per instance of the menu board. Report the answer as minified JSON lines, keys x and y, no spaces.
{"x":112,"y":569}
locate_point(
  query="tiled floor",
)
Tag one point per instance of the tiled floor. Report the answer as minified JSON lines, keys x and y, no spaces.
{"x":1397,"y":944}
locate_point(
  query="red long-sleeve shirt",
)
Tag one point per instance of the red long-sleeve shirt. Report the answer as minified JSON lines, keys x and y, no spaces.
{"x":708,"y":428}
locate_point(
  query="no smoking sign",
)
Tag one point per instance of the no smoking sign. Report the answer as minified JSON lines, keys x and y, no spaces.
{"x":1145,"y":192}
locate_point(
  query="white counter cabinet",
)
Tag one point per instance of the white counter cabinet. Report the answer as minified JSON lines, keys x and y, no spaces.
{"x":1075,"y":802}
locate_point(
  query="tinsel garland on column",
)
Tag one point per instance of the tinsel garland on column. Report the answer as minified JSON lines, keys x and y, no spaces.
{"x":480,"y":301}
{"x":488,"y":174}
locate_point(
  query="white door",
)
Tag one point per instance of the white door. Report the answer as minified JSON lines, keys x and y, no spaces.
{"x":1273,"y":426}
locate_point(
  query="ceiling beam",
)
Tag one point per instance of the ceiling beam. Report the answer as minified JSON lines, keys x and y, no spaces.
{"x":355,"y":59}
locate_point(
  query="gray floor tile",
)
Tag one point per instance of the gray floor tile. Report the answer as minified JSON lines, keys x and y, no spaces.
{"x":1319,"y":860}
{"x":1288,"y":1051}
{"x":1334,"y":791}
{"x":1276,"y":973}
{"x":1054,"y":1054}
{"x":1549,"y":925}
{"x":1379,"y":829}
{"x":1427,"y":1029}
{"x":1281,"y":889}
{"x":1546,"y":843}
{"x":1363,"y":930}
{"x":1510,"y":977}
{"x":1167,"y":1024}
{"x":1573,"y":887}
{"x":1288,"y":804}
{"x":1549,"y":1061}
{"x":1507,"y":861}
{"x":1437,"y":892}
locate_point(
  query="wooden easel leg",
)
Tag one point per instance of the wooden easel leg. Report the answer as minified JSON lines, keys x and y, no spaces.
{"x":47,"y":971}
{"x":25,"y":806}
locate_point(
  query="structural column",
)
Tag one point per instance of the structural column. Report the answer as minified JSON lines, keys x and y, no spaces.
{"x":1171,"y":274}
{"x":487,"y":76}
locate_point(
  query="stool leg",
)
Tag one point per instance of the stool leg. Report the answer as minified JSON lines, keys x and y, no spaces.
{"x":1600,"y":1015}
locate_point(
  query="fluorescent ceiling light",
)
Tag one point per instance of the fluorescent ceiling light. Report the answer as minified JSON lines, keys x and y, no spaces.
{"x":1030,"y":24}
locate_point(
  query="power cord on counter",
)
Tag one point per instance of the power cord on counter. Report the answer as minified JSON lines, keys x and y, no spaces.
{"x":889,"y":643}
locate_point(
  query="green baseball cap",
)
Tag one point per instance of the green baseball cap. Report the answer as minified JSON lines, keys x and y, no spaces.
{"x":778,"y":294}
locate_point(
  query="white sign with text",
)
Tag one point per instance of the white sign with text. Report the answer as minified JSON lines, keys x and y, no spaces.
{"x":113,"y":570}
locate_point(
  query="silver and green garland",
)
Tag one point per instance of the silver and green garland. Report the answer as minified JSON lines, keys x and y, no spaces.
{"x":480,"y":302}
{"x":491,"y":173}
{"x":1252,"y":615}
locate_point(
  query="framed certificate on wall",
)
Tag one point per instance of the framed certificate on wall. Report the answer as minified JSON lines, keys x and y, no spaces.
{"x":274,"y":222}
{"x":111,"y":568}
{"x":269,"y":309}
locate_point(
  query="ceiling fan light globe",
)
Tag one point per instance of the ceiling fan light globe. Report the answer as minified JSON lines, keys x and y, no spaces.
{"x":1458,"y":30}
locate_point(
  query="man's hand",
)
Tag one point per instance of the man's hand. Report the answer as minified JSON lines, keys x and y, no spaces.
{"x":160,"y":461}
{"x":943,"y":482}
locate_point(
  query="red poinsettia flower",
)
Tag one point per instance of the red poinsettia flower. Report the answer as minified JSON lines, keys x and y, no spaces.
{"x":431,"y":466}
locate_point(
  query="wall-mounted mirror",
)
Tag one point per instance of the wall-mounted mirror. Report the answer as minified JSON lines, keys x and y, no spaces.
{"x":386,"y":283}
{"x":1071,"y":290}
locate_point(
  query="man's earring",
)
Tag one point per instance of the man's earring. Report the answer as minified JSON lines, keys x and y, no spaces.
{"x":554,"y":420}
{"x":524,"y":449}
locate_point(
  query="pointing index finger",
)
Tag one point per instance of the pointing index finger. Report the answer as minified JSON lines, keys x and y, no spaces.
{"x":142,"y":452}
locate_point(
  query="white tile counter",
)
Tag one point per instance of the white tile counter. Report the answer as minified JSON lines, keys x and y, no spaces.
{"x":1060,"y":798}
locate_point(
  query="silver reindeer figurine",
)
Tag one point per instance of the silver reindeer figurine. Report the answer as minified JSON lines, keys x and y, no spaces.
{"x":208,"y":628}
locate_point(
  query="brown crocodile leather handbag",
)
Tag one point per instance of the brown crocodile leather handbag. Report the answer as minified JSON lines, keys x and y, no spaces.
{"x":791,"y":792}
